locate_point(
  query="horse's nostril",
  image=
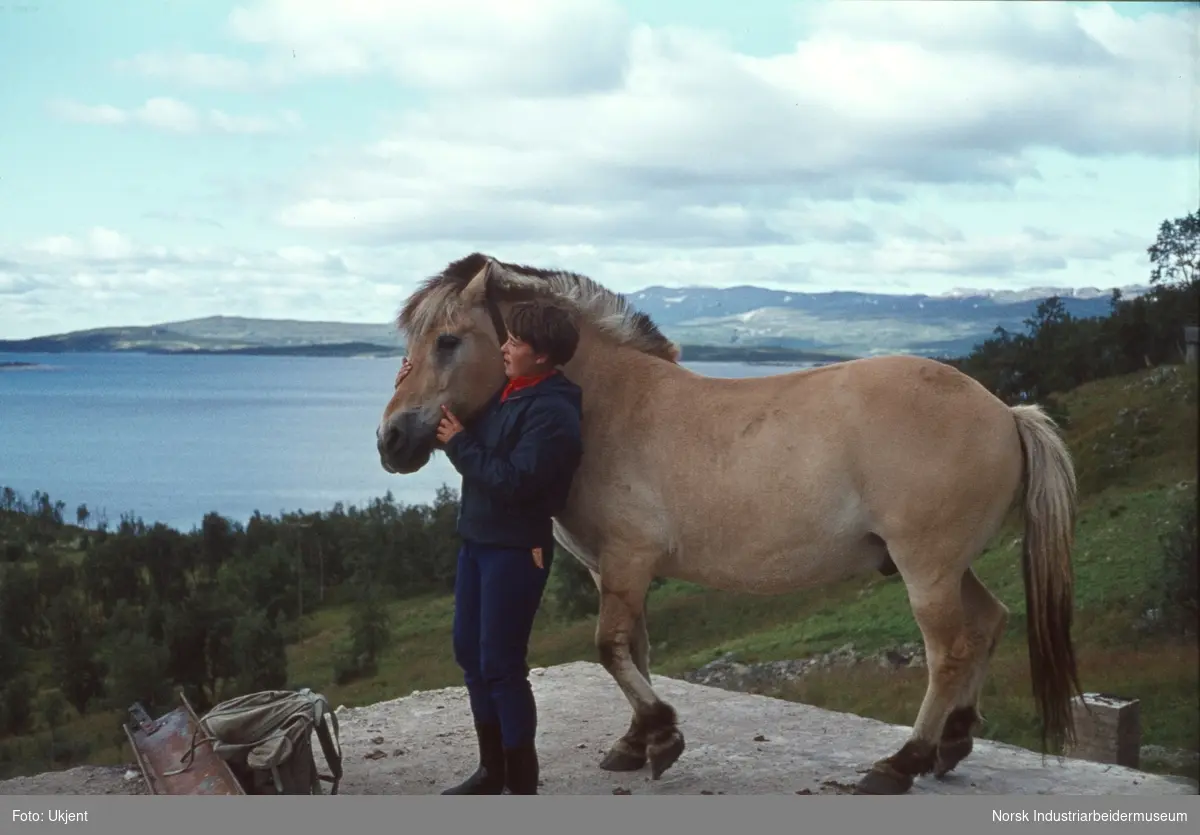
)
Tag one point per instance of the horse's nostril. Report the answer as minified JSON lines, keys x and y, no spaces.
{"x":391,"y":439}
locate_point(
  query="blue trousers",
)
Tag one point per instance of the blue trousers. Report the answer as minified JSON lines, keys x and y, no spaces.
{"x":497,"y":592}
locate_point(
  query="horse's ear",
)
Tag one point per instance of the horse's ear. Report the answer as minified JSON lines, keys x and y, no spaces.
{"x":476,"y":288}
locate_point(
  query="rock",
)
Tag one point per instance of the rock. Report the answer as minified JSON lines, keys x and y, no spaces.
{"x":1174,"y":758}
{"x":727,"y":673}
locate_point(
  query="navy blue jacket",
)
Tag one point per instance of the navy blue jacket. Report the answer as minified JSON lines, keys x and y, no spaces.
{"x":517,"y":461}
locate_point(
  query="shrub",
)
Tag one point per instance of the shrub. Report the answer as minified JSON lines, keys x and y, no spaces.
{"x":1179,"y":571}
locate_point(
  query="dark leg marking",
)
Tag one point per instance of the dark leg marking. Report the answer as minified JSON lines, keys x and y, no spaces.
{"x":896,"y":774}
{"x":956,"y":743}
{"x":629,"y":752}
{"x":664,"y":742}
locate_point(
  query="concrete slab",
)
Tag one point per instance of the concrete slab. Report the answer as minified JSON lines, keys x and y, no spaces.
{"x":737,"y":744}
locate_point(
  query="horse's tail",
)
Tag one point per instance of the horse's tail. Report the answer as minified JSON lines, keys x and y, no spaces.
{"x":1049,"y":511}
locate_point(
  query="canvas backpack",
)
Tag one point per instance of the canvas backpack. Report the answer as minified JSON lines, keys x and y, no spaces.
{"x":266,"y":738}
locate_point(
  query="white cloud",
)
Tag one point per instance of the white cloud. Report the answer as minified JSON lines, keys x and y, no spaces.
{"x":522,"y":46}
{"x":169,"y":115}
{"x":227,"y":123}
{"x":65,"y":282}
{"x":900,"y":145}
{"x":194,"y":69}
{"x":104,"y":249}
{"x":538,"y":46}
{"x":998,"y":256}
{"x":174,"y":116}
{"x":701,"y":144}
{"x":98,"y":114}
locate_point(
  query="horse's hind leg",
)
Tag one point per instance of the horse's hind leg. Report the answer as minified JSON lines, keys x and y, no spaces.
{"x":653,"y":733}
{"x":987,"y":618}
{"x":955,"y":648}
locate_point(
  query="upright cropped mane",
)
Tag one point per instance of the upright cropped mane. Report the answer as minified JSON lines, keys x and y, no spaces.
{"x":437,"y":298}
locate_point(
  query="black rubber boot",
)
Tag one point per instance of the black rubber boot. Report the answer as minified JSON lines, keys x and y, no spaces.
{"x":489,"y":776}
{"x":521,"y":769}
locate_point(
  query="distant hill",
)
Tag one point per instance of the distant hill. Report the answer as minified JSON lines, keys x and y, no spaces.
{"x":226,"y":335}
{"x":732,"y":323}
{"x":854,"y":323}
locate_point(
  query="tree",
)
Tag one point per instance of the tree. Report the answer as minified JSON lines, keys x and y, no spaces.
{"x":1174,"y":253}
{"x":198,"y":635}
{"x":370,"y":630}
{"x":217,"y":543}
{"x":137,"y":671}
{"x":18,"y":605}
{"x":572,"y":588}
{"x":109,"y":574}
{"x":16,"y":704}
{"x":53,"y":708}
{"x":259,"y":652}
{"x":75,"y":651}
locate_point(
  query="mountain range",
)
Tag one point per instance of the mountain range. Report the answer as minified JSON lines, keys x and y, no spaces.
{"x":743,"y":322}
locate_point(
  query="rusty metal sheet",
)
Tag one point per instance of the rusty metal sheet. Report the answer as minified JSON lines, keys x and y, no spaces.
{"x":161,"y":747}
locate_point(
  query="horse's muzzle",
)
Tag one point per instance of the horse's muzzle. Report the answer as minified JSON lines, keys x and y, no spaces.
{"x":404,"y":443}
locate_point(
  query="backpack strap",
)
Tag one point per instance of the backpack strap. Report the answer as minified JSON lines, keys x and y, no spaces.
{"x":189,"y":756}
{"x":325,"y":722}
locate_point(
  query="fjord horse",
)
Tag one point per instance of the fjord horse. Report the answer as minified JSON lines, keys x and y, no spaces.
{"x":767,"y":485}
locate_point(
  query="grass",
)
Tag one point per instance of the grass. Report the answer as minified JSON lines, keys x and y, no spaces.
{"x":1131,"y":478}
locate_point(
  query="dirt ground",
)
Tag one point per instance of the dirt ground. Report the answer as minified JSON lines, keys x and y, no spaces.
{"x":736,"y":744}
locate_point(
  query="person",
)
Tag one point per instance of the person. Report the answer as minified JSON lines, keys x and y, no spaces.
{"x":517,"y":462}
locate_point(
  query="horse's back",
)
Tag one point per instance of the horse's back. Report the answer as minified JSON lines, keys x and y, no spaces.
{"x":827,"y":400}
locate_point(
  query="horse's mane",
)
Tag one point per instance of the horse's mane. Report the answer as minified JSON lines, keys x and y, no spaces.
{"x":437,"y":298}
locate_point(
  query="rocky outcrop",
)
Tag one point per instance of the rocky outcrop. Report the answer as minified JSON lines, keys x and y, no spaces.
{"x":767,"y":677}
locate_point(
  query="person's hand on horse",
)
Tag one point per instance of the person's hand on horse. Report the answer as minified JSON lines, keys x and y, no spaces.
{"x":449,"y":426}
{"x":405,"y":367}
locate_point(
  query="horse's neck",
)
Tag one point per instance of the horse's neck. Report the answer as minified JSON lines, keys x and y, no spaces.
{"x":605,"y":372}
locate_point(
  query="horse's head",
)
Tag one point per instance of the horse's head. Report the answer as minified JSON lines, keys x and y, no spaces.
{"x":454,"y":345}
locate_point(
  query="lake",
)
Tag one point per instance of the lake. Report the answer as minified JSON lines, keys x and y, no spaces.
{"x":170,"y":438}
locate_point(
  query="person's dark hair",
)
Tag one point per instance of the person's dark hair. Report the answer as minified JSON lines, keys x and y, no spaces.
{"x":546,"y":327}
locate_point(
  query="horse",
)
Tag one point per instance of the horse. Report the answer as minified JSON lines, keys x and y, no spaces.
{"x":897,"y":464}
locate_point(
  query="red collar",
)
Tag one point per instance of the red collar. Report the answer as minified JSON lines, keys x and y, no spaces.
{"x":518,"y":383}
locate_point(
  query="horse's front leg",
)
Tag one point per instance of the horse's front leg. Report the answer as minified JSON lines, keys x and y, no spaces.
{"x":621,"y":636}
{"x":629,"y":752}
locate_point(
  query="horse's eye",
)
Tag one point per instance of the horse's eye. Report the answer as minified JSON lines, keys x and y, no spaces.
{"x":447,"y":342}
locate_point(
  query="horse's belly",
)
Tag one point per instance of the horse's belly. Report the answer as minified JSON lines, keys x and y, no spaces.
{"x":777,"y":571}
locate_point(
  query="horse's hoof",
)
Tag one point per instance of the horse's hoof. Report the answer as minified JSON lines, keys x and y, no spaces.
{"x":663,"y":755}
{"x":884,"y":780}
{"x":622,"y":759}
{"x":950,"y":754}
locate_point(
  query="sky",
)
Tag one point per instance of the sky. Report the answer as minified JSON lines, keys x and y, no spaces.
{"x":312,"y":159}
